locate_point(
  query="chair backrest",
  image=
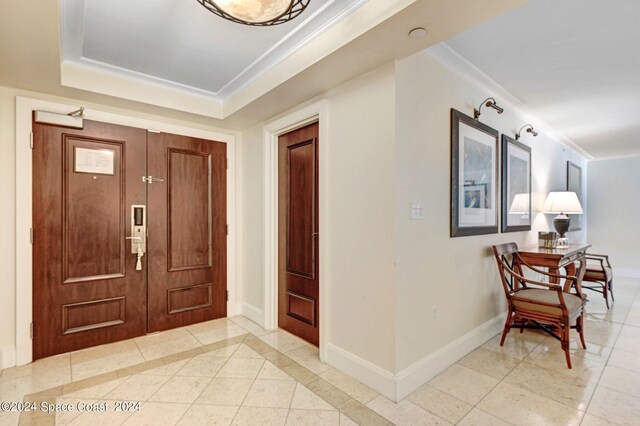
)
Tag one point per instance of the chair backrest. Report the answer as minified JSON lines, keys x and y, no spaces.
{"x":506,"y":256}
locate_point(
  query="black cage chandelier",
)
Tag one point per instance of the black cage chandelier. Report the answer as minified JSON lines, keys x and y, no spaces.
{"x":261,"y":13}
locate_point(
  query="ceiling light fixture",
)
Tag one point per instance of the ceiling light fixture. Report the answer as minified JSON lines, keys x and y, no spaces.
{"x":261,"y":13}
{"x":489,"y":103}
{"x":530,"y":129}
{"x":417,"y":33}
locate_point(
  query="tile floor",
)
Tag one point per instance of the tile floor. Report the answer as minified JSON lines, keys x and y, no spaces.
{"x":231,"y":371}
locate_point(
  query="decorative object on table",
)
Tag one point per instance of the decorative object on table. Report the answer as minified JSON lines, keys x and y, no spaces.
{"x":574,"y":184}
{"x":553,"y":306}
{"x":600,"y":273}
{"x":516,"y":186}
{"x":260,"y":13}
{"x":489,"y":103}
{"x":548,"y":239}
{"x":474,"y":177}
{"x":561,"y":204}
{"x":529,"y":129}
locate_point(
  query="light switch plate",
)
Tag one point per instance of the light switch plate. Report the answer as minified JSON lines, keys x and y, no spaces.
{"x":417,"y":211}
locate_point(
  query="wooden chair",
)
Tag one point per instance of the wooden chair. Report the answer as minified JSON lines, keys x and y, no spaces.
{"x":599,"y":271}
{"x":551,"y":306}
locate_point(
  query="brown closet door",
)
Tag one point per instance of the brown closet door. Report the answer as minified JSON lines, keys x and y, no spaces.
{"x":298,"y":289}
{"x":187,"y":244}
{"x":86,"y":290}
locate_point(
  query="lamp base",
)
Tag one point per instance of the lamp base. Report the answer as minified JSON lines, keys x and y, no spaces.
{"x":561,"y":223}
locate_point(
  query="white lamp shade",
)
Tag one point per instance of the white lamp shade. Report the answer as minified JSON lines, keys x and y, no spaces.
{"x":520,"y":204}
{"x":562,"y":202}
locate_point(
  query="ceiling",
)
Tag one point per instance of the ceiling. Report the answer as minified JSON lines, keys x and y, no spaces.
{"x":574,"y":64}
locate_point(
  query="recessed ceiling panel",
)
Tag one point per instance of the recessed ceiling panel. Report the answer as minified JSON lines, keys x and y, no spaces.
{"x":177,"y":40}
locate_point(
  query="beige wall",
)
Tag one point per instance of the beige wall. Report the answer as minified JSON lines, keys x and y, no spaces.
{"x":8,"y":199}
{"x":614,"y":203}
{"x":360,"y":238}
{"x":458,"y":275}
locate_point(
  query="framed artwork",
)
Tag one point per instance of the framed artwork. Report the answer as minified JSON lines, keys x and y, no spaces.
{"x":474,"y":177}
{"x":516,"y":186}
{"x":574,"y":183}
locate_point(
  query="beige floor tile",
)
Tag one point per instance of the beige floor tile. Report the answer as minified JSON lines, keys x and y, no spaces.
{"x":209,"y":325}
{"x":89,"y":367}
{"x":40,"y":366}
{"x":66,"y":416}
{"x":102,"y":351}
{"x":225,"y":352}
{"x":308,"y":357}
{"x":313,"y":418}
{"x":166,"y":343}
{"x":477,"y":417}
{"x":223,"y":391}
{"x":304,"y":399}
{"x":362,"y":414}
{"x":622,"y":380}
{"x":96,"y":392}
{"x":491,"y":363}
{"x":569,"y":387}
{"x":137,"y":388}
{"x":157,"y":414}
{"x":349,"y":385}
{"x":516,"y":345}
{"x":271,"y":372}
{"x":250,"y":326}
{"x":167,"y":369}
{"x":241,"y":368}
{"x":624,"y":359}
{"x":346,"y":421}
{"x":603,"y":333}
{"x":521,"y":407}
{"x":202,"y":366}
{"x":464,"y":383}
{"x":551,"y":346}
{"x":439,"y":403}
{"x":283,"y":341}
{"x":108,"y":418}
{"x":181,"y":389}
{"x":270,"y":393}
{"x":252,"y":416}
{"x":404,"y":413}
{"x":211,"y":335}
{"x":9,"y":418}
{"x":617,"y":407}
{"x":208,"y":415}
{"x":16,"y":389}
{"x":245,"y":351}
{"x":589,"y":420}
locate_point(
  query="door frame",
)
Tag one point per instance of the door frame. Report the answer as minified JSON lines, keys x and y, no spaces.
{"x":318,"y":111}
{"x":24,"y":255}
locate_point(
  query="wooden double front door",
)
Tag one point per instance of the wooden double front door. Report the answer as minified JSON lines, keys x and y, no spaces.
{"x":91,"y":187}
{"x":298,"y":240}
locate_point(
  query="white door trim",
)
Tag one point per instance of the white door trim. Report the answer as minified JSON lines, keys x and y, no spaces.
{"x":24,"y":260}
{"x":314,"y":112}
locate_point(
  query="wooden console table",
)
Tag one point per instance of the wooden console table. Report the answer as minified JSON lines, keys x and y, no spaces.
{"x":554,"y":258}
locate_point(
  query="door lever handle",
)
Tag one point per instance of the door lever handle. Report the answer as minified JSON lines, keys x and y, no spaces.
{"x":133,"y":238}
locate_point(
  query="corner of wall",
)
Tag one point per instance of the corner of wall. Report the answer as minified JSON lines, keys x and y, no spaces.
{"x":253,"y":313}
{"x":7,"y":357}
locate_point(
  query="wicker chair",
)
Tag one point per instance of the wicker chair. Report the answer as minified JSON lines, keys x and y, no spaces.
{"x":599,"y":272}
{"x":551,"y":307}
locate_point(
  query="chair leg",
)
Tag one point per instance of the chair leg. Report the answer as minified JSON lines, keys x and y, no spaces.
{"x":605,"y":293}
{"x":611,"y":290}
{"x":580,"y":327}
{"x":565,"y":344}
{"x":507,"y":327}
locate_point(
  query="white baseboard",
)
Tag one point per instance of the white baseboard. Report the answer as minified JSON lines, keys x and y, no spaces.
{"x":376,"y":378}
{"x":627,"y":273}
{"x":254,"y":314}
{"x":396,"y":387}
{"x":416,"y":375}
{"x":7,"y":357}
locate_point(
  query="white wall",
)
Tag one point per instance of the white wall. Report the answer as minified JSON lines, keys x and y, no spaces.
{"x":8,"y":200}
{"x":613,"y":212}
{"x":458,"y":275}
{"x":361,"y":185}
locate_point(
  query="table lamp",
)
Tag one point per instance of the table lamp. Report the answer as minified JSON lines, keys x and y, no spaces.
{"x":562,"y":203}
